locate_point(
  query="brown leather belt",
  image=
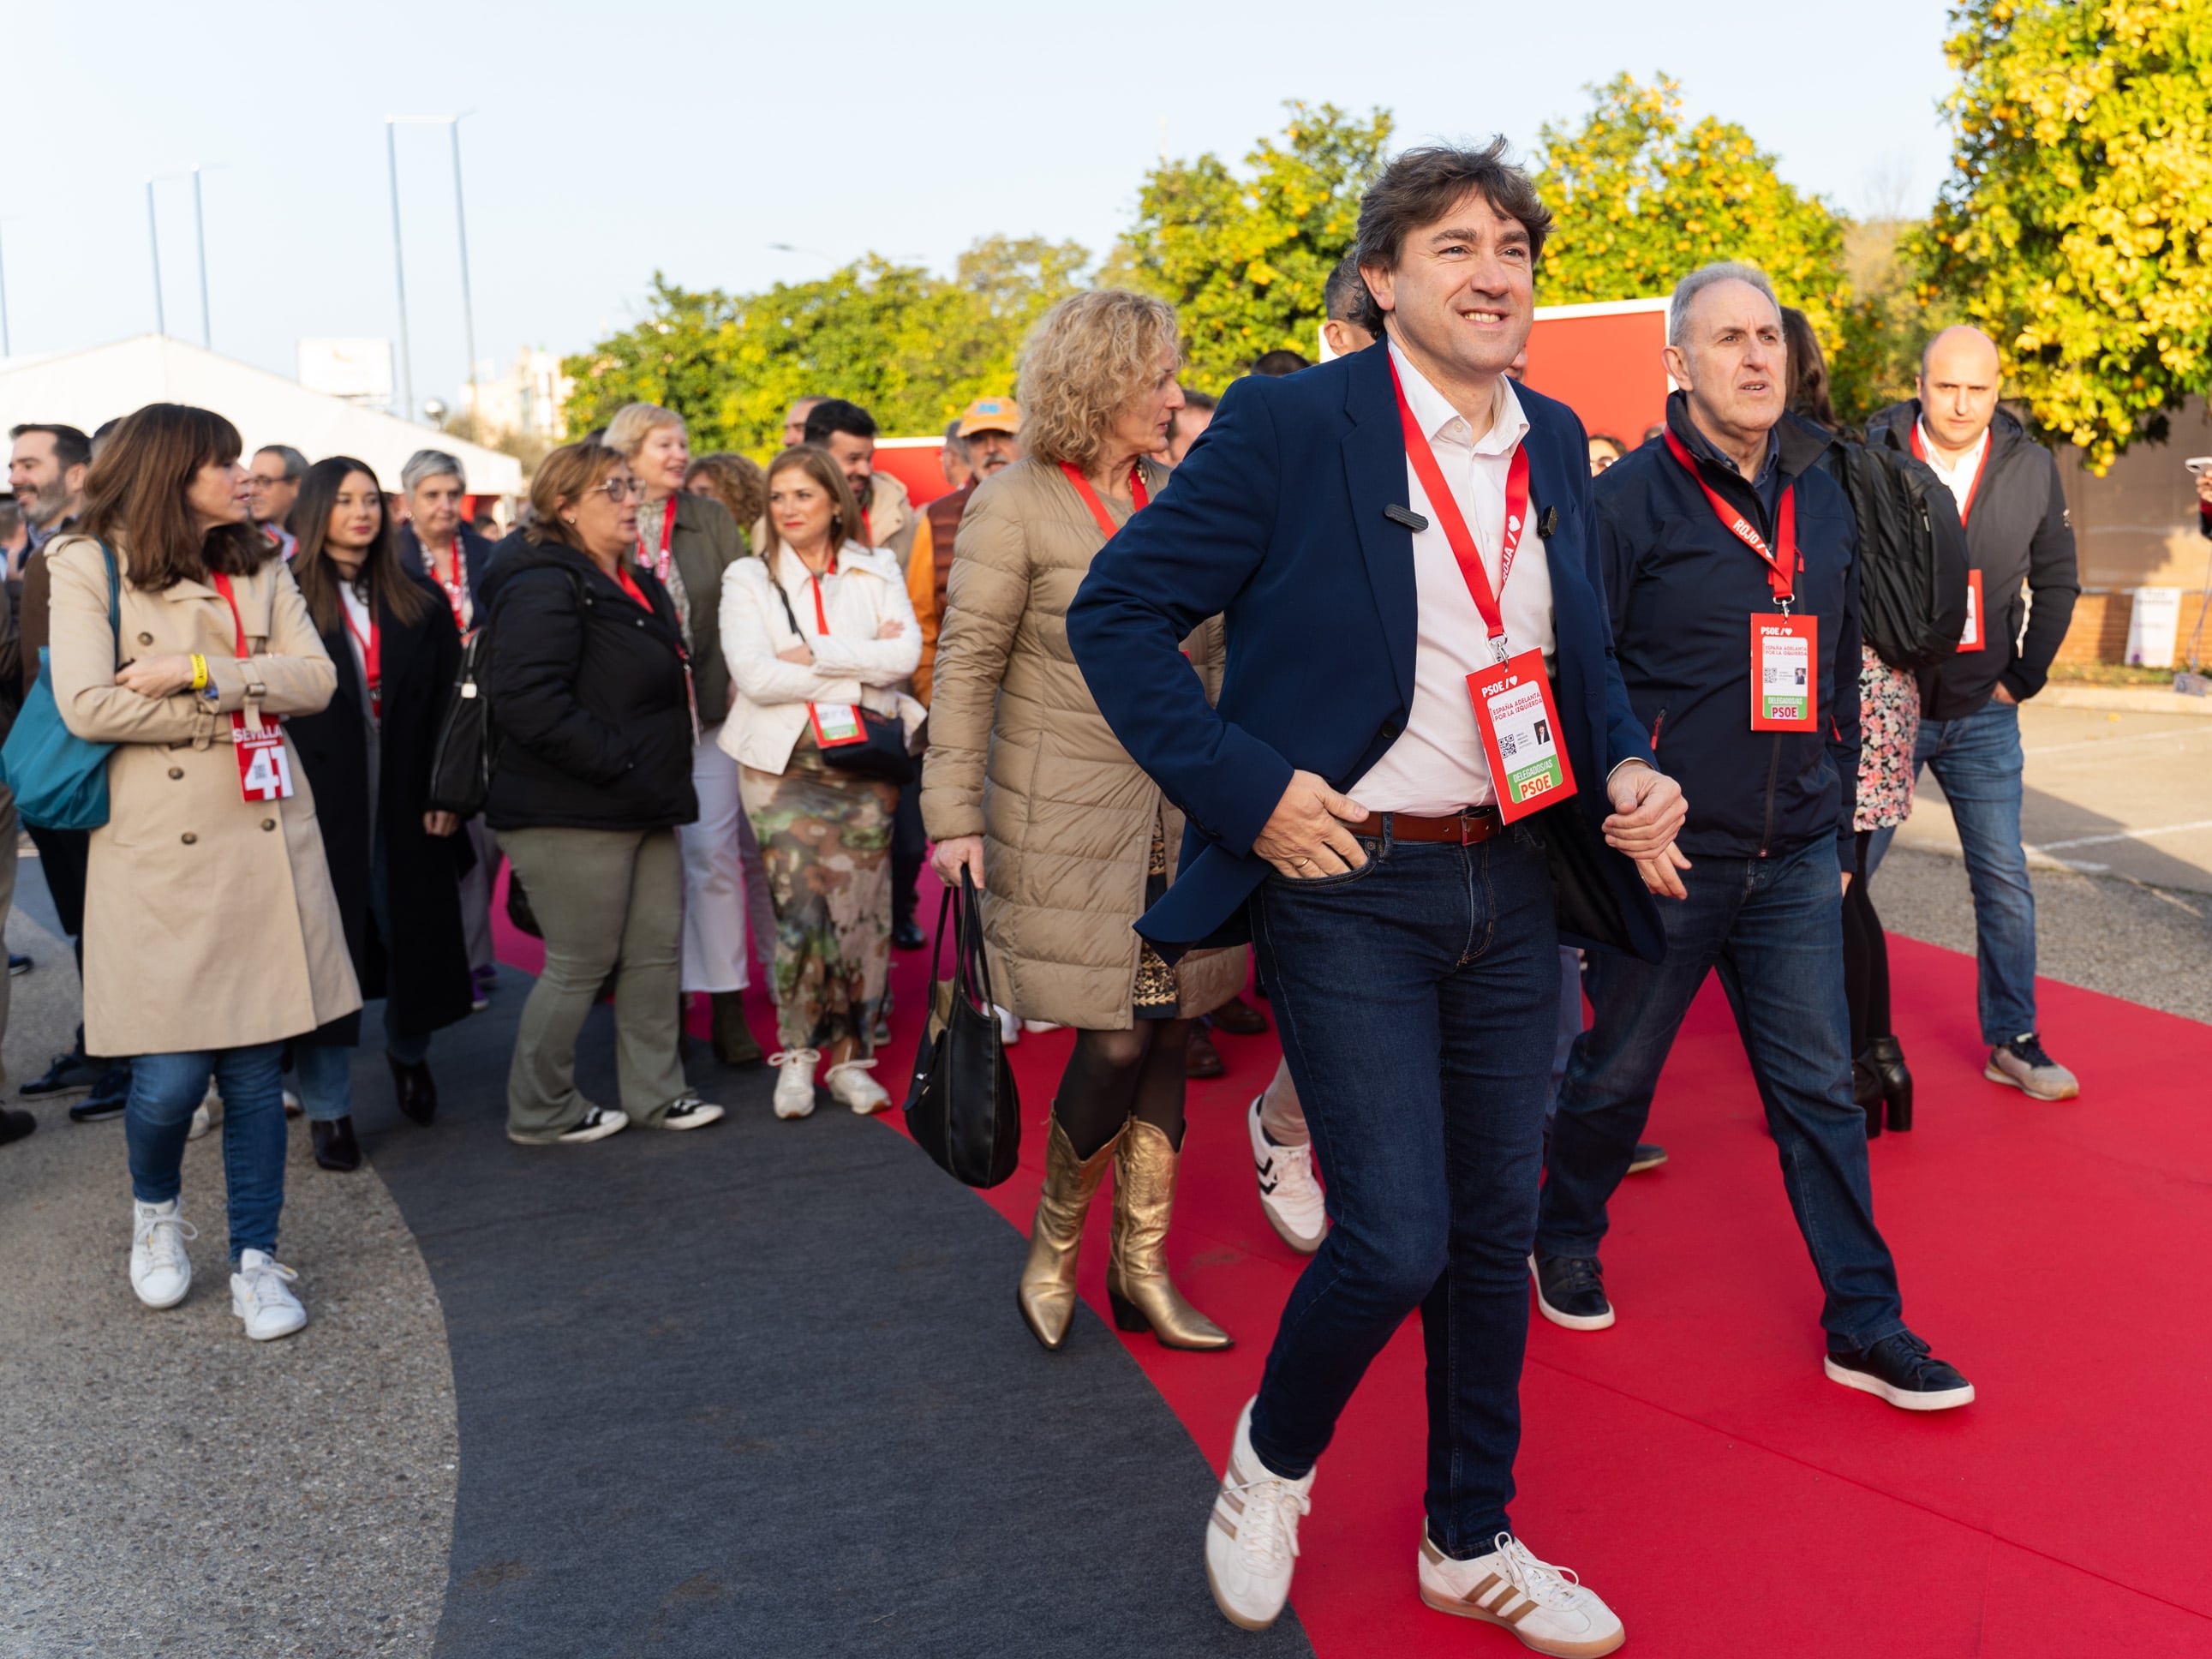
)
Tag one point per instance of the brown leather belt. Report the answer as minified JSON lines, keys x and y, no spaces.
{"x":1464,"y":827}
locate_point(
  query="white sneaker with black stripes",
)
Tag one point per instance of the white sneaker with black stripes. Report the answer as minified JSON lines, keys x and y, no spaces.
{"x":690,"y":1113}
{"x":1252,"y":1541}
{"x":1290,"y":1197}
{"x":1546,"y":1606}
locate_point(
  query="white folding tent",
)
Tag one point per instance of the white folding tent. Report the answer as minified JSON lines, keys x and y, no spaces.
{"x":85,"y":388}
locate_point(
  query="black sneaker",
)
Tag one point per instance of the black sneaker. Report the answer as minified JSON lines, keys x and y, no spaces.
{"x":107,"y":1099}
{"x":19,"y":966}
{"x":1570,"y":1292}
{"x":1900,"y":1370}
{"x":68,"y":1073}
{"x":14,"y":1126}
{"x":1648,"y":1157}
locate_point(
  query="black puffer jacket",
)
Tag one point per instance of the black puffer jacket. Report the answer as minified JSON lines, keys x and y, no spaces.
{"x":587,"y":693}
{"x":2017,"y":532}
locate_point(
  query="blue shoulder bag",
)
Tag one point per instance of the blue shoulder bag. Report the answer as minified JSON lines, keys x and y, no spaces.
{"x":60,"y":779}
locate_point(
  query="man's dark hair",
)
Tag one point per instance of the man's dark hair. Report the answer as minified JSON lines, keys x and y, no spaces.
{"x":1200,"y":400}
{"x":1274,"y":365}
{"x":71,"y":448}
{"x":1345,"y":298}
{"x":1422,"y":185}
{"x":835,"y":414}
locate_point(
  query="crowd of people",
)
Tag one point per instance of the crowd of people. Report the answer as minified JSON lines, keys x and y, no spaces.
{"x":1185,"y":688}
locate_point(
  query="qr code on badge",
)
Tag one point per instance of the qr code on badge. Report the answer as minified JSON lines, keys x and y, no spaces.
{"x":1509,"y":745}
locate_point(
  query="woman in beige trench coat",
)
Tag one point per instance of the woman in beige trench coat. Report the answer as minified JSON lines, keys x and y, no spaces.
{"x":212,"y":934}
{"x":1025,"y":788}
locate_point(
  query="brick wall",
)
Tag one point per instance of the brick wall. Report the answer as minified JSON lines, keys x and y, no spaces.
{"x":2099,"y":632}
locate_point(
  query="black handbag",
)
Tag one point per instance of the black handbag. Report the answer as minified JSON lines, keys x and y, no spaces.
{"x":881,"y":755}
{"x":461,"y":761}
{"x":962,"y":1108}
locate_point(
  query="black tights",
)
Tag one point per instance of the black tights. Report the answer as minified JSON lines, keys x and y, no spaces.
{"x":1113,"y":1076}
{"x":1866,"y":957}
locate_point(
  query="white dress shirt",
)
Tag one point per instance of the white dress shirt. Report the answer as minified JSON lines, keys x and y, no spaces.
{"x":1436,"y":766}
{"x":1960,"y":477}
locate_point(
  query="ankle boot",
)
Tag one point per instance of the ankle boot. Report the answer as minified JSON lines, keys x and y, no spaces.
{"x":1866,"y":1094}
{"x":1046,"y":1295}
{"x":1137,"y":1283}
{"x":734,"y":1041}
{"x":1887,"y":1059}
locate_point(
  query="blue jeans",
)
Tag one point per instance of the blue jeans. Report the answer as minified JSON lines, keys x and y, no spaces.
{"x":1417,"y":999}
{"x":1774,"y":929}
{"x":164,"y":1091}
{"x":1977,"y":761}
{"x":326,"y":1072}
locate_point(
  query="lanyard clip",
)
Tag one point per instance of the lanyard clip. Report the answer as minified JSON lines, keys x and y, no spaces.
{"x":1499,"y":650}
{"x":1784,"y":600}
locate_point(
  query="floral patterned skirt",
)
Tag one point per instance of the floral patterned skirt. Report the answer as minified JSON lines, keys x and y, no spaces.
{"x":1889,"y":726}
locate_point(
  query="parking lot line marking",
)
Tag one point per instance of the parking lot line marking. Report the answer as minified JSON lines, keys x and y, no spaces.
{"x":2125,"y":834}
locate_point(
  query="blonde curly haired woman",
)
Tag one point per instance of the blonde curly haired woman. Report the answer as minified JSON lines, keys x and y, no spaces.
{"x":1025,"y":788}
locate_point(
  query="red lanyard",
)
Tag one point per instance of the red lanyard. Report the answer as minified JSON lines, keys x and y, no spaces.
{"x":1446,"y":506}
{"x":658,"y":566}
{"x":1138,"y":495}
{"x":223,"y":587}
{"x":821,"y":617}
{"x":630,"y":587}
{"x":457,"y":588}
{"x":1920,"y":453}
{"x":1781,"y":560}
{"x":372,"y":653}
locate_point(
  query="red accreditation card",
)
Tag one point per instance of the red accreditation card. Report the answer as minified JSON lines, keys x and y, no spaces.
{"x":264,"y":770}
{"x":1785,"y":656}
{"x":1971,"y":639}
{"x":1520,"y":727}
{"x":837,"y":724}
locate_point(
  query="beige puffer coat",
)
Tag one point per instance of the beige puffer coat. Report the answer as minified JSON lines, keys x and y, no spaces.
{"x":1019,"y":754}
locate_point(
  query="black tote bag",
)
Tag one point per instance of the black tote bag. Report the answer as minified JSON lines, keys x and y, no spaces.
{"x":961,"y":1108}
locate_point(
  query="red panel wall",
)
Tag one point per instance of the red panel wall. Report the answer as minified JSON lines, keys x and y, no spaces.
{"x":917,"y":469}
{"x":1607,"y":370}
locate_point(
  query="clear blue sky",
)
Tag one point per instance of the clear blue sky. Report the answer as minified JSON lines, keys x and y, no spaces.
{"x":609,"y":140}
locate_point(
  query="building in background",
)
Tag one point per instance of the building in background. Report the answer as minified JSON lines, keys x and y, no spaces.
{"x":527,"y":403}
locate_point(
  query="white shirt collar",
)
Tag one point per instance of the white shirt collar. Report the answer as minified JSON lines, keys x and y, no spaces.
{"x":1966,"y":464}
{"x":1438,"y":420}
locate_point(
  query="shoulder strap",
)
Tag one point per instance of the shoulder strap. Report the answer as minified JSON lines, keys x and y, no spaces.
{"x":114,"y":596}
{"x":793,"y":615}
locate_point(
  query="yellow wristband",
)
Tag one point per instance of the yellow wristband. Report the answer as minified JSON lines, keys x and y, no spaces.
{"x":199,"y":673}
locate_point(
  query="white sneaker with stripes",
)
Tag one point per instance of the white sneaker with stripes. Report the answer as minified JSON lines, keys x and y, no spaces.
{"x":1252,"y":1541}
{"x":1546,"y":1606}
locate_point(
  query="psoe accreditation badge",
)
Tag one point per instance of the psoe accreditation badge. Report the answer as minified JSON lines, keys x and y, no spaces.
{"x":1785,"y":657}
{"x":1519,"y":727}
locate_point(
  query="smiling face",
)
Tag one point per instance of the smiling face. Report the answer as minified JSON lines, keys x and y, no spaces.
{"x":270,"y":493}
{"x":856,"y":458}
{"x":662,"y":460}
{"x":1731,"y":361}
{"x":800,"y":509}
{"x":356,"y":514}
{"x":992,"y":452}
{"x":1461,"y":298}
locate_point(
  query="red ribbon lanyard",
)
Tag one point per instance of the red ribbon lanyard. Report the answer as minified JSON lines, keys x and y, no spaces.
{"x":630,"y":587}
{"x":1781,"y":560}
{"x":456,"y":587}
{"x":821,"y":617}
{"x":372,"y":653}
{"x":1445,"y":505}
{"x":223,"y":587}
{"x":1920,"y":453}
{"x":659,"y":565}
{"x":1137,"y":495}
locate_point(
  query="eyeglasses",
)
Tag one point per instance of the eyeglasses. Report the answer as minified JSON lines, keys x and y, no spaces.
{"x":620,"y":489}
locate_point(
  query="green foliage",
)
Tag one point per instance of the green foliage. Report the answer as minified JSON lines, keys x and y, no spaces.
{"x":1244,"y":260}
{"x":911,"y":348}
{"x":1885,"y":323}
{"x":2076,"y":226}
{"x":1640,"y":201}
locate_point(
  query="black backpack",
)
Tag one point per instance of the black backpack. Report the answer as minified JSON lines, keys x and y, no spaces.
{"x":1913,"y":555}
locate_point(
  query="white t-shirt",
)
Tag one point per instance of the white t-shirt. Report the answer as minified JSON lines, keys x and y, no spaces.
{"x":1436,"y":766}
{"x":1959,"y":478}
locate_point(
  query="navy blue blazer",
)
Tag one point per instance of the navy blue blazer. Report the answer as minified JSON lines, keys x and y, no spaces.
{"x":1275,"y":518}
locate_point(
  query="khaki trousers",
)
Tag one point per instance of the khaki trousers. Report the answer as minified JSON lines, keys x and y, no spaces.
{"x":602,"y":896}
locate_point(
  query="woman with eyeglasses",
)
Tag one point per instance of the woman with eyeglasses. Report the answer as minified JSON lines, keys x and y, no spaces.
{"x":591,"y":690}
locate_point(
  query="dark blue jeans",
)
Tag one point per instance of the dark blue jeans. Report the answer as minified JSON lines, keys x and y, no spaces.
{"x":1417,"y":998}
{"x":1977,"y":761}
{"x":1774,"y":929}
{"x":164,"y":1091}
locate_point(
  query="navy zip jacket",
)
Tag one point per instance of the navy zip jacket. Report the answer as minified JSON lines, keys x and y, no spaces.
{"x":1682,"y":591}
{"x":1278,"y":519}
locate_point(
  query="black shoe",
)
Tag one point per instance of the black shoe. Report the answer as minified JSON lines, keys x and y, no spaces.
{"x":1239,"y":1018}
{"x":335,"y":1147}
{"x":68,"y":1073}
{"x":1570,"y":1292}
{"x":107,"y":1099}
{"x":1648,"y":1157}
{"x":14,"y":1126}
{"x":18,"y":966}
{"x":907,"y":934}
{"x":735,"y":1045}
{"x":1202,"y":1058}
{"x":417,"y":1090}
{"x":1887,"y":1059}
{"x":1900,"y":1370}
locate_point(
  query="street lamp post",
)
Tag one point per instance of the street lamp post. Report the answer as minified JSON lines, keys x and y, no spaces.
{"x":399,"y":271}
{"x":154,"y":246}
{"x":199,"y":233}
{"x":5,"y":350}
{"x":468,"y":304}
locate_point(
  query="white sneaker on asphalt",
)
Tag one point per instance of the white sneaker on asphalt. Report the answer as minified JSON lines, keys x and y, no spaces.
{"x":2023,"y":1064}
{"x":1040,"y":1027}
{"x":1010,"y":1029}
{"x":1252,"y":1541}
{"x":160,"y":1271}
{"x":1546,"y":1607}
{"x":690,"y":1113}
{"x":261,"y":1295}
{"x":1290,"y":1197}
{"x":794,"y":1080}
{"x":206,"y":1115}
{"x":849,"y":1082}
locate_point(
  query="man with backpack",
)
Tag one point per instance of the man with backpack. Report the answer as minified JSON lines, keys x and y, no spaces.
{"x":2022,"y":583}
{"x":1732,"y":575}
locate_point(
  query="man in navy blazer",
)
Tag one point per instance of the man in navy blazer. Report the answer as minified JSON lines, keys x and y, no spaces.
{"x":1340,"y":809}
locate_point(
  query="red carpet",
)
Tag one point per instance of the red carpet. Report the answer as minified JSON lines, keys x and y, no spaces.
{"x":1693,"y":1463}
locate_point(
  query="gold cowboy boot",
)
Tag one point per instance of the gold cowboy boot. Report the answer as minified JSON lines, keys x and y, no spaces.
{"x":1046,"y":1295}
{"x":1137,"y":1283}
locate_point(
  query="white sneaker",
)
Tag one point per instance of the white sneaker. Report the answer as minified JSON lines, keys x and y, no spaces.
{"x":292,"y":1106}
{"x":261,"y":1295}
{"x":794,"y":1080}
{"x":206,"y":1115}
{"x":1290,"y":1197}
{"x":598,"y":1122}
{"x":1252,"y":1543}
{"x":1010,"y":1029}
{"x":160,"y":1271}
{"x":1545,"y":1606}
{"x":689,"y":1113}
{"x":849,"y":1082}
{"x":1039,"y":1027}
